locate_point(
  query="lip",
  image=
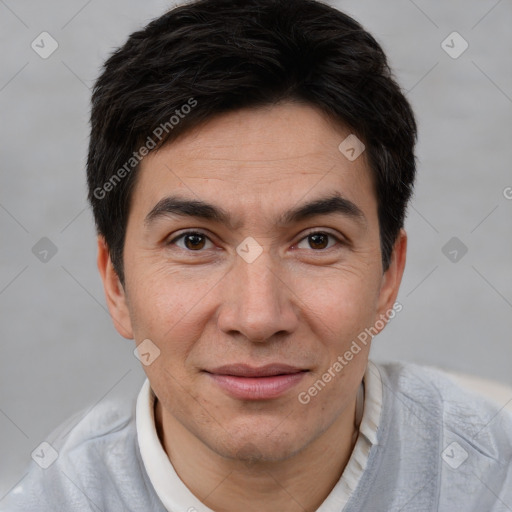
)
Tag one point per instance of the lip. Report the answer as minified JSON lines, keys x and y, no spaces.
{"x":245,"y":370}
{"x":246,"y":382}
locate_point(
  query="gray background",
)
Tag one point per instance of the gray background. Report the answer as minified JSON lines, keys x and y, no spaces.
{"x":60,"y":351}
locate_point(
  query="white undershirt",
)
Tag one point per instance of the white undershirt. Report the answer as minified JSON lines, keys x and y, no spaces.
{"x":175,"y":495}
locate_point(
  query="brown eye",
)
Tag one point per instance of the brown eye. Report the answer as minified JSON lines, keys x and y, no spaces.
{"x":318,"y":241}
{"x":192,"y":241}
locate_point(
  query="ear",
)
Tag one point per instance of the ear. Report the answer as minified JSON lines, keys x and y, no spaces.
{"x":392,"y":278}
{"x":114,"y":292}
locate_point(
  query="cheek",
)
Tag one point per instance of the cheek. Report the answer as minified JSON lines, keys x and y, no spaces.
{"x":343,"y":301}
{"x":172,"y":306}
{"x":159,"y":305}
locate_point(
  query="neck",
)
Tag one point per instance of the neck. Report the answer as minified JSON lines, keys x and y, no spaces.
{"x":299,"y":483}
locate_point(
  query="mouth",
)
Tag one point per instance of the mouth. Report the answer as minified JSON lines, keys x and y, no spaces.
{"x":245,"y":382}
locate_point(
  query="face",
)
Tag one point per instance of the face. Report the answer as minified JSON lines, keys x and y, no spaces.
{"x":254,"y":285}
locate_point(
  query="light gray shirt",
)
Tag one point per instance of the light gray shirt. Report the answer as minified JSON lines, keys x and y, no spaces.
{"x":433,"y":447}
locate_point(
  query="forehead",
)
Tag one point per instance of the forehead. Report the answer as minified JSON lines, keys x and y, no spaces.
{"x":265,"y":157}
{"x":269,"y":133}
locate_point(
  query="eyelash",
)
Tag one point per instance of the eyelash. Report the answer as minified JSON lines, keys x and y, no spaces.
{"x":182,"y":235}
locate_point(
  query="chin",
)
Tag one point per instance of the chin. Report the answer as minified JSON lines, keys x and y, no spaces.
{"x":258,"y":446}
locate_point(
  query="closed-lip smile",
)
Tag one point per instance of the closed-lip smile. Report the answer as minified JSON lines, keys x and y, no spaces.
{"x":246,"y":382}
{"x":245,"y":370}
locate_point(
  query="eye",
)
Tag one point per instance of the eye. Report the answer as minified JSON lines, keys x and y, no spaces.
{"x":192,"y":241}
{"x":195,"y":241}
{"x":319,"y":240}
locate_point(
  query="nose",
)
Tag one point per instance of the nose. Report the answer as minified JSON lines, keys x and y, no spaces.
{"x":256,"y":302}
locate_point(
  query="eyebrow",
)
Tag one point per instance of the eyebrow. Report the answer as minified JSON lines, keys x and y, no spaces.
{"x":177,"y":206}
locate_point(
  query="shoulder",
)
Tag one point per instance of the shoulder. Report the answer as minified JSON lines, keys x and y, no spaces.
{"x":93,"y":450}
{"x":110,"y":423}
{"x":463,"y":410}
{"x":471,"y":435}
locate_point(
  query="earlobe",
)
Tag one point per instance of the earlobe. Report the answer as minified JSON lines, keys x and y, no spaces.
{"x":114,"y":292}
{"x":392,"y":278}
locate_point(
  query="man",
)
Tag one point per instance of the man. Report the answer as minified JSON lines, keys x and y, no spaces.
{"x":249,"y":169}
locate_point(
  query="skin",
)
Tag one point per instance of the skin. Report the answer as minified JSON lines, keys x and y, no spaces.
{"x":297,"y":303}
